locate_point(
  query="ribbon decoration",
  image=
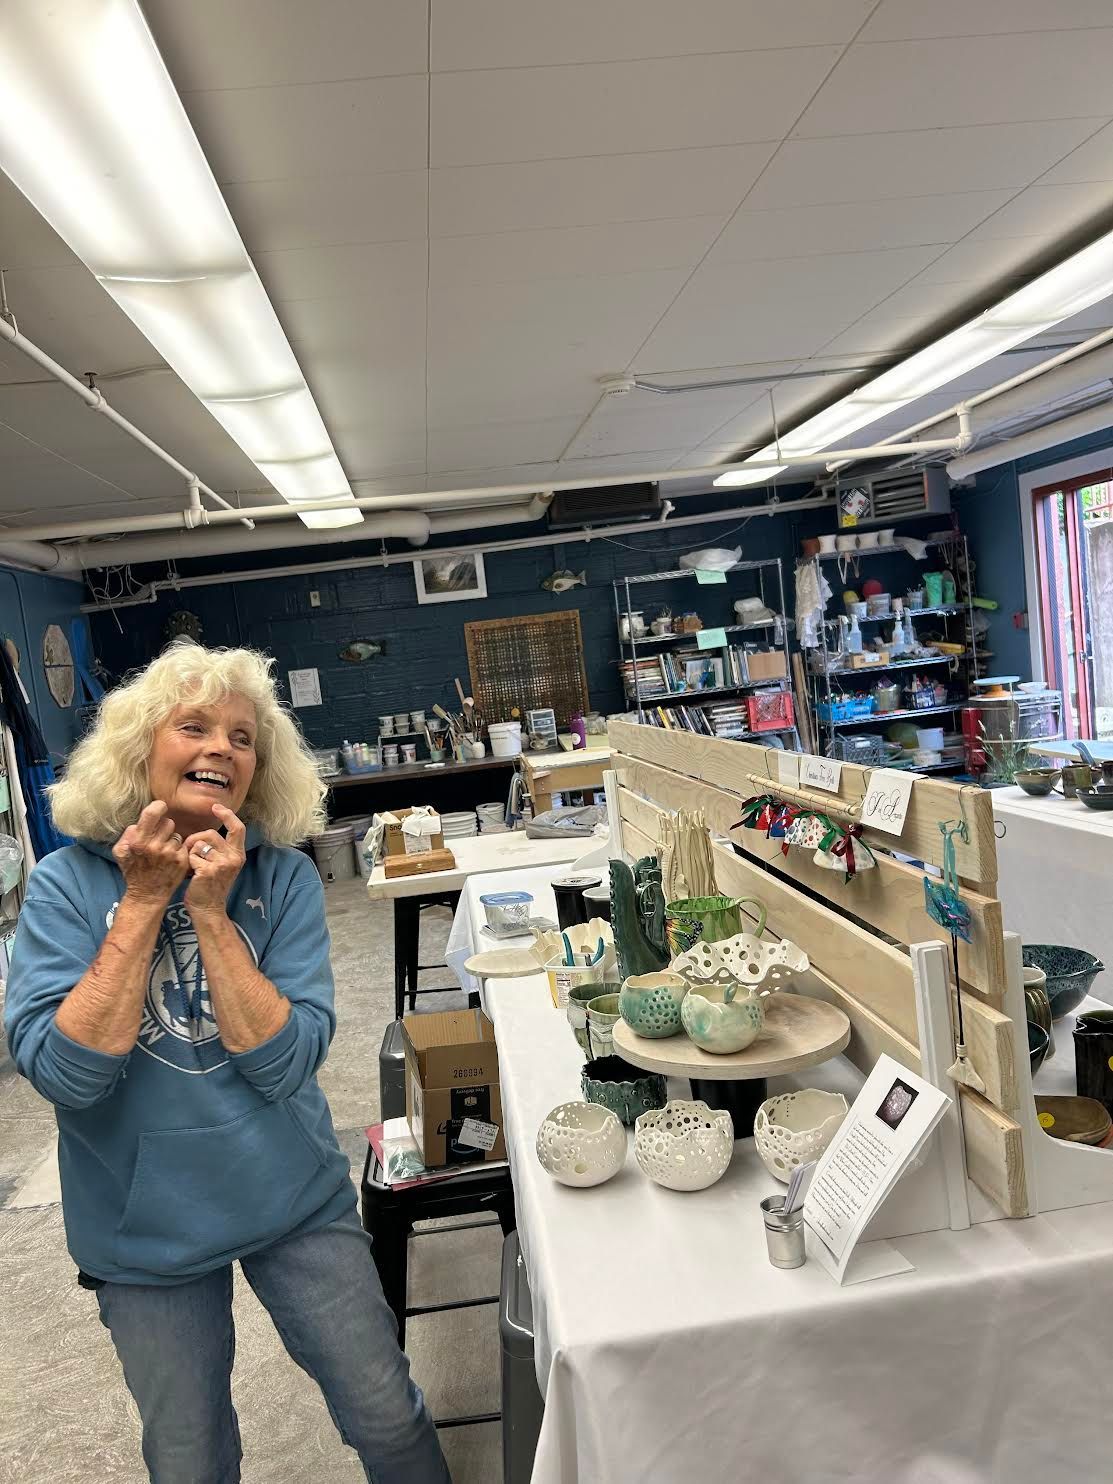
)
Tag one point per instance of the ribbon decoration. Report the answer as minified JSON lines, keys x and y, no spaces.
{"x":752,"y":810}
{"x":854,"y":861}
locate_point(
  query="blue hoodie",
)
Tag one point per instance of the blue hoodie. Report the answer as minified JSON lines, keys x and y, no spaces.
{"x":180,"y":1156}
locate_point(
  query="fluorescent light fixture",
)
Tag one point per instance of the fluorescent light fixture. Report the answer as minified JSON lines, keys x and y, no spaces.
{"x":1061,"y":292}
{"x":94,"y":134}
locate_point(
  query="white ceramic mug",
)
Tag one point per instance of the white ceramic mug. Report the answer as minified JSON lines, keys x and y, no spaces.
{"x":846,"y":543}
{"x":867,"y":540}
{"x":826,"y":545}
{"x":887,"y":536}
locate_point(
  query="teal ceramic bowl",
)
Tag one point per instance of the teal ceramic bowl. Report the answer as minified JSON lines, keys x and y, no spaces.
{"x":650,"y":1003}
{"x":1069,"y":972}
{"x":626,"y":1091}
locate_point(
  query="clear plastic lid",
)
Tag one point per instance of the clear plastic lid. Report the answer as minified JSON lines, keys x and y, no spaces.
{"x":505,"y":898}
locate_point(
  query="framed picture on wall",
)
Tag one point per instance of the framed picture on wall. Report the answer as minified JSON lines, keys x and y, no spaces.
{"x":450,"y":578}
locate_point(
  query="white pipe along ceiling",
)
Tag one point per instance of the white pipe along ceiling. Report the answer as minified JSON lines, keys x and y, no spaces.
{"x":743,"y":514}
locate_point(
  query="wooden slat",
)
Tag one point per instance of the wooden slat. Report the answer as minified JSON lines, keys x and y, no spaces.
{"x":725,"y":763}
{"x":889,"y":898}
{"x":872,"y":974}
{"x":869,"y":1035}
{"x":994,"y":1154}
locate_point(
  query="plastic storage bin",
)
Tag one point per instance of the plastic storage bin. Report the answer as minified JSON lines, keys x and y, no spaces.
{"x":770,"y":710}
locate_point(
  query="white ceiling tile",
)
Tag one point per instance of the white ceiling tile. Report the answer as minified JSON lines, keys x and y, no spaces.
{"x":329,"y":210}
{"x":603,"y":188}
{"x":854,"y":226}
{"x":646,"y":431}
{"x":357,"y":271}
{"x":991,"y":265}
{"x":538,"y":474}
{"x":487,"y":444}
{"x":1091,"y":160}
{"x":571,"y":252}
{"x":985,"y":80}
{"x":26,"y":240}
{"x":373,"y":331}
{"x":886,"y":167}
{"x":537,"y":113}
{"x":1048,"y":211}
{"x":252,"y":43}
{"x":535,"y":33}
{"x":339,"y":128}
{"x":904,"y":20}
{"x":635,"y":464}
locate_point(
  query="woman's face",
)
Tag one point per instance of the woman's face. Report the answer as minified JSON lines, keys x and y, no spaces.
{"x":203,"y":755}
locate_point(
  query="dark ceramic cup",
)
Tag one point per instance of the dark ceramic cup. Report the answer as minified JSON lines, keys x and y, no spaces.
{"x":1093,"y":1056}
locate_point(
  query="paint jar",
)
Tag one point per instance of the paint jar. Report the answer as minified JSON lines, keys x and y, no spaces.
{"x":386,"y":726}
{"x":409,"y":752}
{"x":390,"y":757}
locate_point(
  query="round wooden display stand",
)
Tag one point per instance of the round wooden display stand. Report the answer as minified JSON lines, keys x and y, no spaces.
{"x":799,"y":1032}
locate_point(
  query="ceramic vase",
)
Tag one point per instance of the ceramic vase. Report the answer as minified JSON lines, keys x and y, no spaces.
{"x":635,"y":953}
{"x":576,"y":1011}
{"x":626,"y":1091}
{"x":650,"y":1003}
{"x":684,"y":1145}
{"x":581,"y":1144}
{"x":718,"y":917}
{"x":721,"y":1019}
{"x":796,"y":1128}
{"x":602,"y":1015}
{"x":1037,"y":1006}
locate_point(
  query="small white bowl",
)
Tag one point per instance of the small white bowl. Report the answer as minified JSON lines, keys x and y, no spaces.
{"x":684,"y":1145}
{"x":581,"y":1144}
{"x":796,"y":1128}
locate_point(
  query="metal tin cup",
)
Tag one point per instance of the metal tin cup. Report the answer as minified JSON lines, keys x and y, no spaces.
{"x":784,"y":1235}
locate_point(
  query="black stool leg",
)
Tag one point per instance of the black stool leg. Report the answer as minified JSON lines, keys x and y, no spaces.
{"x":390,"y":1249}
{"x":413,"y":951}
{"x":401,"y":908}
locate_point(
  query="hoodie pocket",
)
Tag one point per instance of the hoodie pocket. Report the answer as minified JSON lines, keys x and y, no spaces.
{"x":200,"y":1194}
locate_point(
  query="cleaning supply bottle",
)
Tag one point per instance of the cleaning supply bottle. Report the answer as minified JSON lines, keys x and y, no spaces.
{"x":910,"y":640}
{"x":854,"y":637}
{"x":896,"y":639}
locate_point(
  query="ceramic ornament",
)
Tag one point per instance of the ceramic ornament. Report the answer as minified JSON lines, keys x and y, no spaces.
{"x":684,"y":1145}
{"x":796,"y":1128}
{"x":581,"y":1144}
{"x":744,"y":959}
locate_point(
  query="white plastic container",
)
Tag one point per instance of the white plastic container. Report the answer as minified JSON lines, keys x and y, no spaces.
{"x":930,"y":739}
{"x":506,"y":738}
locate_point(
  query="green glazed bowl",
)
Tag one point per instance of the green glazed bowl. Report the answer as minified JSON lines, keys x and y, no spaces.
{"x":650,"y":1003}
{"x":626,"y":1091}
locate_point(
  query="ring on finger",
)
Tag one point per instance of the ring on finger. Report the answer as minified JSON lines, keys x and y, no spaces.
{"x":205,"y":850}
{"x":176,"y":838}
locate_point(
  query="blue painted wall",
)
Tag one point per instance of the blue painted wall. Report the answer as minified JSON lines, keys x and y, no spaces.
{"x":425,"y":644}
{"x":28,"y":604}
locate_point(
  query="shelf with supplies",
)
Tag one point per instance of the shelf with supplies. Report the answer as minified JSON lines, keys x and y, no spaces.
{"x":729,"y":628}
{"x":908,"y":714}
{"x":831,"y":709}
{"x":674,"y":664}
{"x":936,"y":659}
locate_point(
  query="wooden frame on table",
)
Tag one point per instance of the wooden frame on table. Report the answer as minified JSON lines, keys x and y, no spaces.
{"x":877,"y":955}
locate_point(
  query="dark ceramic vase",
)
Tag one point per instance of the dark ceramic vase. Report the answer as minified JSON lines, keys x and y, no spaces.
{"x":1093,"y":1056}
{"x":635,"y":953}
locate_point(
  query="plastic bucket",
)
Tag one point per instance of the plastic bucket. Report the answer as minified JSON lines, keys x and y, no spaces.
{"x":334,"y":855}
{"x":506,"y":738}
{"x":930,"y":738}
{"x":359,"y":825}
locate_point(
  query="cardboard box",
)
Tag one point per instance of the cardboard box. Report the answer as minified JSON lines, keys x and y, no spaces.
{"x":394,"y":841}
{"x":452,"y":1078}
{"x":766,"y":664}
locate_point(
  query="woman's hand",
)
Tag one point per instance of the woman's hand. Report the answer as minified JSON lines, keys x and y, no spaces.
{"x":216,"y":860}
{"x":152,"y":856}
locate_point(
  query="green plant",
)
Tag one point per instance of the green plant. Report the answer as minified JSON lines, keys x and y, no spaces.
{"x":1004,"y":756}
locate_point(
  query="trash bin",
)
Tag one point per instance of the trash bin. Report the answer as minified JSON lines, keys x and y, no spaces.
{"x":522,"y":1404}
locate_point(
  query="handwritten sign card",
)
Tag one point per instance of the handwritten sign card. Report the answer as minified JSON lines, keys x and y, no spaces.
{"x":711,"y":638}
{"x":821,"y":772}
{"x":886,"y":802}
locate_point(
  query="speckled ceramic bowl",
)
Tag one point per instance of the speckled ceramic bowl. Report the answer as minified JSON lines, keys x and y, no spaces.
{"x":650,"y":1003}
{"x":1069,"y":972}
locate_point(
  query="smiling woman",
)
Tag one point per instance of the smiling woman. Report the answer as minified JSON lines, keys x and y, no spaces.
{"x":193,"y":710}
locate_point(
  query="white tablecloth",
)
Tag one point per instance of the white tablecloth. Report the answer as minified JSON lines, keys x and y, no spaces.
{"x":669,"y":1350}
{"x":1055,"y":865}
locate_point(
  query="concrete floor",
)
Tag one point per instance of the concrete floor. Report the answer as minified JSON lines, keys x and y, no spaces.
{"x":67,"y":1417}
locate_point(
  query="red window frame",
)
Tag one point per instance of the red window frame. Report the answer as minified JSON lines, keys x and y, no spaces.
{"x":1054,"y":660}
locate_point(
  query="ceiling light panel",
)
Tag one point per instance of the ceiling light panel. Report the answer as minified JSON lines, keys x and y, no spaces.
{"x":1070,"y":287}
{"x":93,"y":132}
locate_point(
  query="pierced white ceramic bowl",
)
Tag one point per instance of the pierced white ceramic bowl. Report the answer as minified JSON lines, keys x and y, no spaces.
{"x":743,"y":959}
{"x":684,"y":1145}
{"x":581,"y":1144}
{"x":796,"y":1127}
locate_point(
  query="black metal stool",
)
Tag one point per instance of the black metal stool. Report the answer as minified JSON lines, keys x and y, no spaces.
{"x":389,"y":1216}
{"x":407,"y":935}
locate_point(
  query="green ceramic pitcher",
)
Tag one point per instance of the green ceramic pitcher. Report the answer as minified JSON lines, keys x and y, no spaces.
{"x":690,"y":919}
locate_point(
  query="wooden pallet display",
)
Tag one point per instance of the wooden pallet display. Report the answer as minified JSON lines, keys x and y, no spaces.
{"x":874,"y":951}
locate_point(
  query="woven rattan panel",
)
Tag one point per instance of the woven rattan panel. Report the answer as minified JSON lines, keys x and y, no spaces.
{"x":527,"y":662}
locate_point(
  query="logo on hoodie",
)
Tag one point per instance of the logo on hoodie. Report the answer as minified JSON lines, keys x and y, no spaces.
{"x":178,"y":1026}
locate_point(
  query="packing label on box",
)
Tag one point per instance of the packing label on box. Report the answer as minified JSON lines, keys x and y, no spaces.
{"x":475,"y":1134}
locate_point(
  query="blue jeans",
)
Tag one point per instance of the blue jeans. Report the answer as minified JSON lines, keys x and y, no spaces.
{"x":176,"y":1345}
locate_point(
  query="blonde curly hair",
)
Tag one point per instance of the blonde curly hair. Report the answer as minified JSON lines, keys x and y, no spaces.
{"x":105,"y":785}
